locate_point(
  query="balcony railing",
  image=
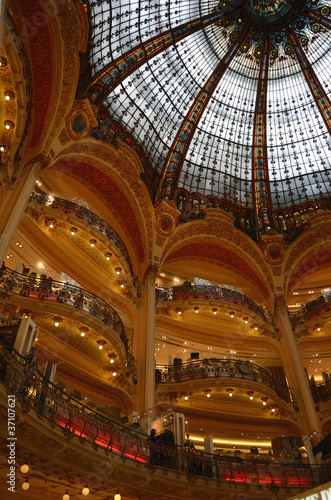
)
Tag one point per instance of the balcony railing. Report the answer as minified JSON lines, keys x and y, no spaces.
{"x":68,"y":207}
{"x":220,"y":368}
{"x":321,"y":392}
{"x":189,"y":291}
{"x":310,"y":310}
{"x":34,"y":392}
{"x":48,"y":289}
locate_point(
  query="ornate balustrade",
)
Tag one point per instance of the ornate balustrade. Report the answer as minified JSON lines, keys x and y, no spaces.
{"x":68,"y":207}
{"x":49,"y":289}
{"x":34,"y":392}
{"x":321,"y":392}
{"x":219,"y":368}
{"x":188,"y":291}
{"x":310,"y":310}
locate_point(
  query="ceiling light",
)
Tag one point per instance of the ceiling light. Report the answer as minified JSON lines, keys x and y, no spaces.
{"x":114,"y":374}
{"x":207,"y":391}
{"x":57,"y":320}
{"x":230,"y":392}
{"x":25,"y":468}
{"x":118,"y":270}
{"x":108,"y":255}
{"x":186,"y":398}
{"x":66,"y":496}
{"x":2,"y":148}
{"x":85,"y":491}
{"x":82,"y":334}
{"x":93,"y":242}
{"x":117,"y":496}
{"x":214,"y":310}
{"x":73,"y":230}
{"x":196,"y":308}
{"x":179,"y":310}
{"x":112,"y":360}
{"x":231,"y":314}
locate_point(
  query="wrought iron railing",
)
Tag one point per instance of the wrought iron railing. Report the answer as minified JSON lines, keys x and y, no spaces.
{"x":35,"y":392}
{"x":310,"y":310}
{"x":321,"y":392}
{"x":49,"y":289}
{"x":82,"y":213}
{"x":189,"y":291}
{"x":220,"y":368}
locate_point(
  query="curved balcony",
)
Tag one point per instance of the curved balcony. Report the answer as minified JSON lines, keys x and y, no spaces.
{"x":310,"y":310}
{"x":48,"y":289}
{"x":220,"y":368}
{"x":82,"y":213}
{"x":321,"y":392}
{"x":34,"y":392}
{"x":189,"y":291}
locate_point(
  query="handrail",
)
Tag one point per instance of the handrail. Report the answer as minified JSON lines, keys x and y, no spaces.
{"x":49,"y":289}
{"x":310,"y":310}
{"x":189,"y":291}
{"x":91,"y":218}
{"x":35,"y":392}
{"x":218,"y":368}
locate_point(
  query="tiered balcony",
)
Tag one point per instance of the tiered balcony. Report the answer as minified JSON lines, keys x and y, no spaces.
{"x":53,"y":406}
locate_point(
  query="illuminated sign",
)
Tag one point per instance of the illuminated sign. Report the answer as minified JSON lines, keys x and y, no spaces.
{"x":323,"y":492}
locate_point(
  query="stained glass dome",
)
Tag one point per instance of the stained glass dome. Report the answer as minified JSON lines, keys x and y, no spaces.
{"x":228,"y":98}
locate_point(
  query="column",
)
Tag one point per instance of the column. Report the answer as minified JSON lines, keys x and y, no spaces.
{"x":296,"y":375}
{"x":15,"y":201}
{"x":146,"y":343}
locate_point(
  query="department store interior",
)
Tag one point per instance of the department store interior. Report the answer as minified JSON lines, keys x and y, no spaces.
{"x":165,"y":292}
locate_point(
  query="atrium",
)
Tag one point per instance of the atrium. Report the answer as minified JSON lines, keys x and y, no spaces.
{"x":165,"y":292}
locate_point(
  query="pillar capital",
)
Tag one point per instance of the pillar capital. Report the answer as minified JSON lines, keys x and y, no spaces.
{"x":151,"y":272}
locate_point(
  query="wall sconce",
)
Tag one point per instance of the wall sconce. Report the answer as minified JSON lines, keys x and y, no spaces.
{"x":230,"y":392}
{"x":9,"y":124}
{"x":118,"y":270}
{"x":9,"y":95}
{"x":246,"y":319}
{"x":196,"y":308}
{"x":179,"y":310}
{"x":214,"y":310}
{"x":93,"y":242}
{"x":231,"y":314}
{"x":207,"y":392}
{"x":51,"y":223}
{"x":83,"y":330}
{"x":264,"y":401}
{"x":108,"y":255}
{"x":57,"y":320}
{"x":112,"y":357}
{"x":73,"y":231}
{"x":3,"y":62}
{"x":101,"y":343}
{"x":250,"y":394}
{"x":2,"y":148}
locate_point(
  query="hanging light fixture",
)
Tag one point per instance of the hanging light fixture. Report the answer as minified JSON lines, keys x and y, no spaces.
{"x":85,"y":491}
{"x":26,"y":485}
{"x":66,"y":496}
{"x":25,"y":468}
{"x":117,"y":496}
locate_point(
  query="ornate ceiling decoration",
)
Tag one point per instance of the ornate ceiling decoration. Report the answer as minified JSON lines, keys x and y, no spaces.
{"x":228,"y":98}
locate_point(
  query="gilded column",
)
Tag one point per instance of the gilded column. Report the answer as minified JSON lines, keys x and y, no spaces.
{"x":146,"y":344}
{"x":296,"y":375}
{"x":15,"y":201}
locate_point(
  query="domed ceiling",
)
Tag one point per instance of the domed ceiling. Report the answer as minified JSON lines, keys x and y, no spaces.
{"x":228,"y":98}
